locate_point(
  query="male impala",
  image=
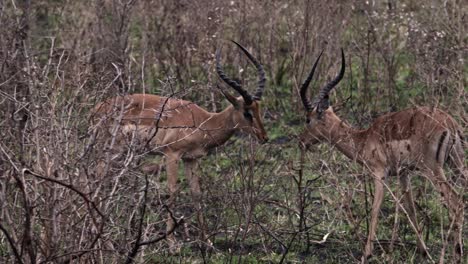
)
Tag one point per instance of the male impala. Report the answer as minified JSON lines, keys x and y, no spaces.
{"x":181,"y":130}
{"x":419,"y":138}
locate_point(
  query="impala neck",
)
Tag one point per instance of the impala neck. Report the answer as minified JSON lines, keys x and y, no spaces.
{"x":220,"y":126}
{"x":343,"y":136}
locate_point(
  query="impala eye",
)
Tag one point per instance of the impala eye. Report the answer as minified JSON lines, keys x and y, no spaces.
{"x":308,"y":120}
{"x":248,"y":115}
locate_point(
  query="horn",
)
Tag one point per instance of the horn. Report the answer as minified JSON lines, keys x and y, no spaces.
{"x":303,"y":92}
{"x":261,"y":72}
{"x":228,"y":96}
{"x":247,"y":98}
{"x":323,"y":93}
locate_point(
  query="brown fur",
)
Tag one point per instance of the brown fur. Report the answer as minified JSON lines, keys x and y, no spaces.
{"x":183,"y":126}
{"x":177,"y":129}
{"x":414,"y":138}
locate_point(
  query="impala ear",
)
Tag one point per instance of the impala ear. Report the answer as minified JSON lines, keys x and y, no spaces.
{"x":323,"y":105}
{"x":337,"y":108}
{"x":229,"y":97}
{"x":340,"y":105}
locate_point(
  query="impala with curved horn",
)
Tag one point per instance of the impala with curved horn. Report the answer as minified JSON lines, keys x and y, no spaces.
{"x":419,"y":138}
{"x":181,"y":130}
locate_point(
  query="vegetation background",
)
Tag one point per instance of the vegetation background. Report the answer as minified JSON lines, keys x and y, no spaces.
{"x":264,"y":203}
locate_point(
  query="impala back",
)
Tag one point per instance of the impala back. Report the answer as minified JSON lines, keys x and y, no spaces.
{"x":415,"y":136}
{"x":147,"y":119}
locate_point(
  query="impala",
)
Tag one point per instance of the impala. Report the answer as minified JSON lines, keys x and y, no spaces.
{"x":419,"y":138}
{"x":181,"y":130}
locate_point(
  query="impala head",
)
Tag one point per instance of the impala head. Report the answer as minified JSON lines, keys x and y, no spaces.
{"x":247,"y":113}
{"x":320,"y":117}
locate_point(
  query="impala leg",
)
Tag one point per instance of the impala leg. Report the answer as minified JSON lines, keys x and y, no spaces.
{"x":378,"y":197}
{"x":171,"y":169}
{"x":408,"y":203}
{"x":195,"y":190}
{"x":455,"y":207}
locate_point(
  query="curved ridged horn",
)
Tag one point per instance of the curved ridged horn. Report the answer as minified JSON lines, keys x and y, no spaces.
{"x":323,"y":93}
{"x":247,"y":97}
{"x":261,"y":72}
{"x":303,"y":92}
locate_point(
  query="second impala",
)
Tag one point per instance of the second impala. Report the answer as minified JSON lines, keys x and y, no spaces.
{"x":420,"y":138}
{"x":181,"y":130}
